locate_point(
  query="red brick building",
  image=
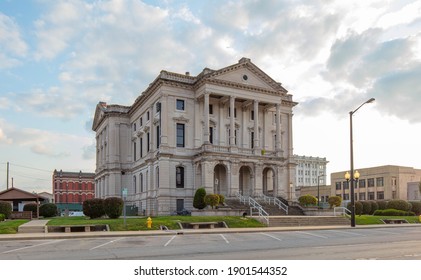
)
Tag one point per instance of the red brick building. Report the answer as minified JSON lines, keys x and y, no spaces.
{"x":71,"y":189}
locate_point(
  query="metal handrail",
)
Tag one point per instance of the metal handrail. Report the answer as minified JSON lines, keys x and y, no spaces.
{"x":341,"y":210}
{"x":254,"y":204}
{"x":275,"y":202}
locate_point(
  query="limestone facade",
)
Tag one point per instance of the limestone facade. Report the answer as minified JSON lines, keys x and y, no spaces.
{"x":227,"y":130}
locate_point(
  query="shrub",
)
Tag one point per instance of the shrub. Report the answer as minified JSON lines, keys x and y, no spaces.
{"x":307,"y":199}
{"x":94,"y":208}
{"x":113,"y":207}
{"x":31,"y":207}
{"x":393,"y":212}
{"x":374,"y":207}
{"x":334,"y":201}
{"x":212,"y":200}
{"x":199,"y":198}
{"x":366,"y":207}
{"x":48,"y":210}
{"x":358,"y":207}
{"x":398,"y":204}
{"x":416,"y":207}
{"x":2,"y":217}
{"x":6,"y":209}
{"x":221,"y":199}
{"x":382,"y":204}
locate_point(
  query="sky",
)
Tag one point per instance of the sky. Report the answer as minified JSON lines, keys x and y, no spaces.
{"x":58,"y":59}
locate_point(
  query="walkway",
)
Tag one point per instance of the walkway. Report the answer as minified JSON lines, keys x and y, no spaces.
{"x":33,"y":226}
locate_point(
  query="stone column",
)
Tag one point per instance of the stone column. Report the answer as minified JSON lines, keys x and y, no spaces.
{"x":206,"y":113}
{"x":197,"y":124}
{"x":164,"y":119}
{"x":151,"y":129}
{"x":256,"y":143}
{"x":278,"y":128}
{"x":232,"y":121}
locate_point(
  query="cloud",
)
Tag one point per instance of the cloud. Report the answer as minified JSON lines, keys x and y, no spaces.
{"x":89,"y":152}
{"x":12,"y":45}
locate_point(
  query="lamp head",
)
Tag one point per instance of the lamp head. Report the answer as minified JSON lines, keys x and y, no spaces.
{"x":371,"y":100}
{"x":356,"y":175}
{"x":347,"y":176}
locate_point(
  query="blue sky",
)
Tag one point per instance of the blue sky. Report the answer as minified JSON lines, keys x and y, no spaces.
{"x":59,"y":58}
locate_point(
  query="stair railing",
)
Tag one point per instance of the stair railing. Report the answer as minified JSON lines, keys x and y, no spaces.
{"x":254,"y":204}
{"x":275,"y":201}
{"x":341,"y":211}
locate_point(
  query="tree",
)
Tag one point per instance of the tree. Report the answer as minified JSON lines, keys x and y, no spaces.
{"x":48,"y":210}
{"x":94,"y":208}
{"x":199,"y":198}
{"x":113,"y":207}
{"x":307,"y":200}
{"x":212,"y":200}
{"x":334,"y":201}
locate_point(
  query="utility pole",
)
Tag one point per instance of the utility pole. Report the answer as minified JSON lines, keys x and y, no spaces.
{"x":7,"y":184}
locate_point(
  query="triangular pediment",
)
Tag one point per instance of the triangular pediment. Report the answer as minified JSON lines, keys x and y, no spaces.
{"x":14,"y":193}
{"x":99,"y":113}
{"x":247,"y":74}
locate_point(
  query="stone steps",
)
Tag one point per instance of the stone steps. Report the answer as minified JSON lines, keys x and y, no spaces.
{"x":34,"y":226}
{"x":293,"y":221}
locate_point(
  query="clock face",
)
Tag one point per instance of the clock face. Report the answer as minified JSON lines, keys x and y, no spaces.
{"x":245,"y":77}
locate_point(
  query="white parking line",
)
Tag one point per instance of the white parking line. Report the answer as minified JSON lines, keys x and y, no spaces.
{"x":312,"y":234}
{"x":169,"y":241}
{"x":271,"y":236}
{"x":224,"y":238}
{"x":33,"y":246}
{"x":346,"y":232}
{"x":112,"y":241}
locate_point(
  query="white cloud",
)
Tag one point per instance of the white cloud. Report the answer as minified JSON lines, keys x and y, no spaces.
{"x":12,"y":45}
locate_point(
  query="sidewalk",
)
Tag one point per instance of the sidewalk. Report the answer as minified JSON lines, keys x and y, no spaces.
{"x":96,"y":234}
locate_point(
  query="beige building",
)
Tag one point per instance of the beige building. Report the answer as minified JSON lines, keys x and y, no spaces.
{"x":228,"y":130}
{"x":378,"y":183}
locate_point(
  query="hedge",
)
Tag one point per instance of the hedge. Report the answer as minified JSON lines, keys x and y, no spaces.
{"x":2,"y":217}
{"x":113,"y":207}
{"x":6,"y":209}
{"x":382,"y":204}
{"x":212,"y":200}
{"x":358,"y":207}
{"x":334,"y":201}
{"x":416,"y":207}
{"x":199,"y":198}
{"x":393,"y":212}
{"x":31,"y":207}
{"x":48,"y":210}
{"x":374,"y":206}
{"x":399,"y":204}
{"x":307,"y":199}
{"x":94,"y":208}
{"x":366,"y":207}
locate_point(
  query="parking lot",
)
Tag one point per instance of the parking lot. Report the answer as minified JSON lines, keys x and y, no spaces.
{"x":378,"y":243}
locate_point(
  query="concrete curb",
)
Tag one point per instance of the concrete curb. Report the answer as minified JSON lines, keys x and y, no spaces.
{"x":40,"y":236}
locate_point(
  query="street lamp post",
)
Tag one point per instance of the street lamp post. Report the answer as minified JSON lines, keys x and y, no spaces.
{"x":351,"y":175}
{"x":318,"y":189}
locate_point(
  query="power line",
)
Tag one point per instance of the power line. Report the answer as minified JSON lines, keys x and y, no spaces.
{"x":33,"y":168}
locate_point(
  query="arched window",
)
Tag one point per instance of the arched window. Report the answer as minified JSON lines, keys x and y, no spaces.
{"x":179,"y":177}
{"x":134,"y":184}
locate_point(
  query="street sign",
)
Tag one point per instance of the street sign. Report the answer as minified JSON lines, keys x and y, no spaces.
{"x":124,"y":192}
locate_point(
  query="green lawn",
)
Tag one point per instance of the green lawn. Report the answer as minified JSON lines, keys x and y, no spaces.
{"x":134,"y":223}
{"x":11,"y":226}
{"x":372,"y":220}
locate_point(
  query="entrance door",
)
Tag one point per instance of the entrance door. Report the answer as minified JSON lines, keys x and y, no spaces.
{"x":180,"y":205}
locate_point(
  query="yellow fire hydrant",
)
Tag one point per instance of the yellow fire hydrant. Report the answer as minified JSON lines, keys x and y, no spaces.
{"x":149,"y":222}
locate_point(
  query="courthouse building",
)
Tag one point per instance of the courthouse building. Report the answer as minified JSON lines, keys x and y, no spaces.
{"x":227,"y":130}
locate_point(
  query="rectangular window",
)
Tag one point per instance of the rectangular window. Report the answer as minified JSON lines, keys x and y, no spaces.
{"x":346,"y":185}
{"x":210,"y":109}
{"x":379,"y":182}
{"x":158,"y":136}
{"x":179,"y":176}
{"x":180,"y":105}
{"x":134,"y":151}
{"x":380,"y":195}
{"x":141,"y":147}
{"x":252,"y":115}
{"x":393,"y":181}
{"x":148,"y":141}
{"x":180,"y":205}
{"x":393,"y":194}
{"x":346,"y":196}
{"x":371,"y":196}
{"x":180,"y":135}
{"x":361,"y":183}
{"x":211,"y":135}
{"x":141,"y":122}
{"x":338,"y":185}
{"x":134,"y":126}
{"x":362,"y":196}
{"x":147,"y":116}
{"x":370,"y":182}
{"x":252,"y":140}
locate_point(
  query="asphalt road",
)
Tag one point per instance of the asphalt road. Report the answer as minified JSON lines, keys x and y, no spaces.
{"x":341,"y":244}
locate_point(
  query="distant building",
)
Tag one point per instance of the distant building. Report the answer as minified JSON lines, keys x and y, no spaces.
{"x":309,"y":170}
{"x":379,"y":183}
{"x":48,"y":197}
{"x":227,"y":130}
{"x":71,"y":189}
